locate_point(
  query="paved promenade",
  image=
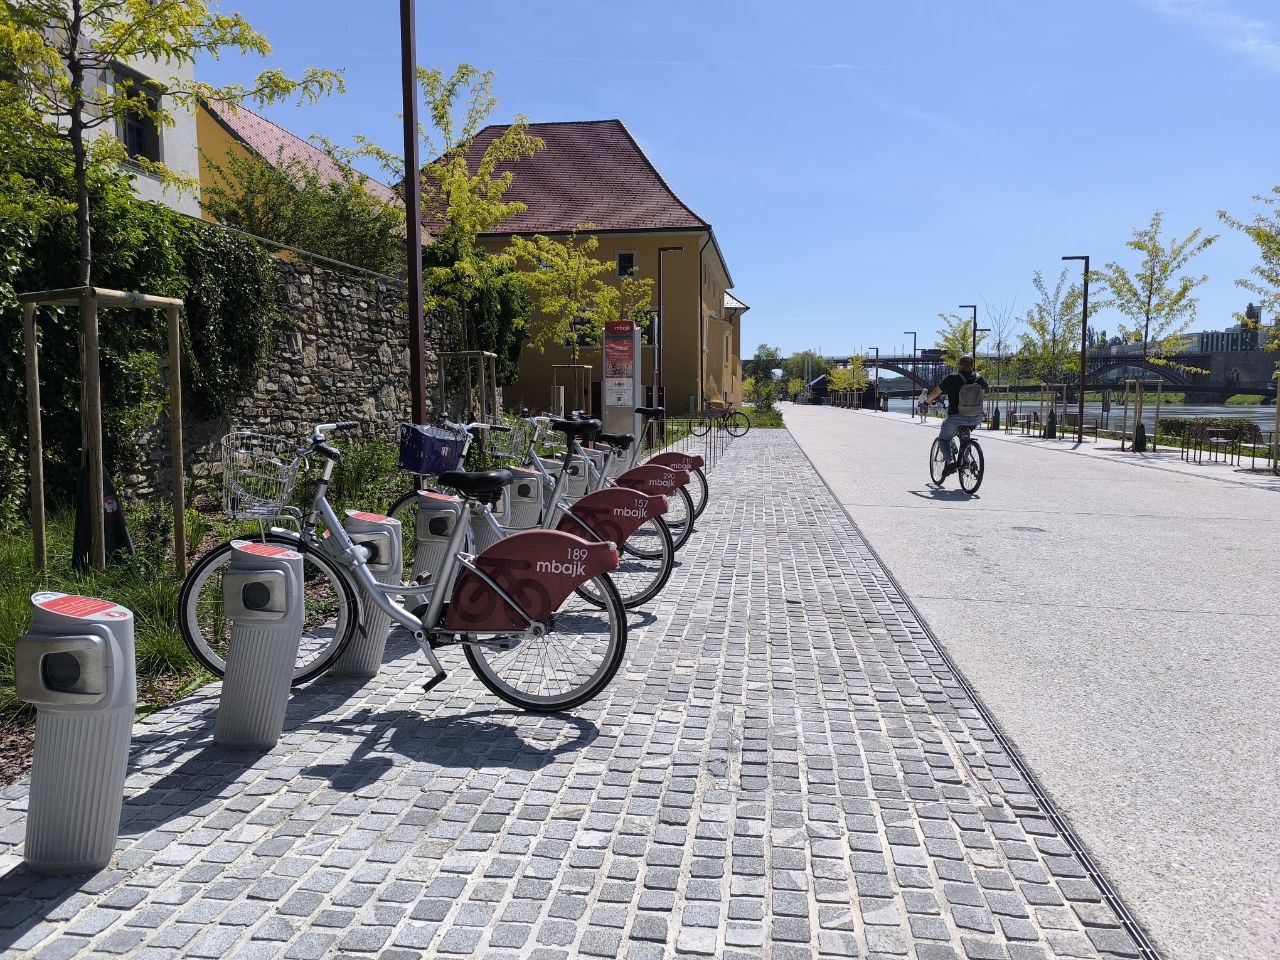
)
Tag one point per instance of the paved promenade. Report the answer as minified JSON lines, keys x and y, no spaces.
{"x":1117,"y":615}
{"x":785,"y":767}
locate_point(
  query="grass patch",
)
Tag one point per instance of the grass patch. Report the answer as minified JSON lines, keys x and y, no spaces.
{"x":1244,"y":400}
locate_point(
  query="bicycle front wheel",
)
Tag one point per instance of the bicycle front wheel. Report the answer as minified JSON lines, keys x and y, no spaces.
{"x":698,"y":426}
{"x":576,"y":658}
{"x":737,"y":423}
{"x":332,"y":611}
{"x":937,"y":461}
{"x":971,"y":466}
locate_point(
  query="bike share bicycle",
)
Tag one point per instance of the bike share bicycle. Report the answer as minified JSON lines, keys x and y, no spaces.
{"x":966,"y":452}
{"x":631,"y":520}
{"x":515,"y":608}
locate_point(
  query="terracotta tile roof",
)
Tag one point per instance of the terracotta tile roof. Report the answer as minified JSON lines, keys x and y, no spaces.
{"x":272,"y":143}
{"x":589,"y":172}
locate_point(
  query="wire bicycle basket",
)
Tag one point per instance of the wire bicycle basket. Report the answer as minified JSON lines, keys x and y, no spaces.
{"x":258,"y":475}
{"x":511,"y":447}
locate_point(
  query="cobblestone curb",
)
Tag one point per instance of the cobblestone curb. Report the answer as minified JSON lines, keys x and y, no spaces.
{"x":785,"y":767}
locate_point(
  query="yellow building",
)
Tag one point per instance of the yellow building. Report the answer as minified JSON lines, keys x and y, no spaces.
{"x":594,"y":172}
{"x":223,"y":130}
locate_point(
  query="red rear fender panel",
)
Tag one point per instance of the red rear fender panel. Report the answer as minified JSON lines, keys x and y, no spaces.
{"x":677,"y":461}
{"x":654,"y":479}
{"x":613,"y":513}
{"x":538,"y":569}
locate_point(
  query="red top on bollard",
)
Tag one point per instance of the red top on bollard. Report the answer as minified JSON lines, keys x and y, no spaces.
{"x":79,"y":608}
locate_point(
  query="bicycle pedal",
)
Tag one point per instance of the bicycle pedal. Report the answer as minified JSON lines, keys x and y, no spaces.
{"x":434,"y":682}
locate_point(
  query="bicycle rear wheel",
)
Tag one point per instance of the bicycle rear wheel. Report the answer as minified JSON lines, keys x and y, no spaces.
{"x":645,"y":562}
{"x":698,"y":426}
{"x":575,"y":660}
{"x":971,"y":467}
{"x":679,"y":517}
{"x":332,"y":611}
{"x":699,"y":492}
{"x":937,"y":461}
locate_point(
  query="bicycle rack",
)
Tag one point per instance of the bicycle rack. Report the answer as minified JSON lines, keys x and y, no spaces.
{"x":382,"y":538}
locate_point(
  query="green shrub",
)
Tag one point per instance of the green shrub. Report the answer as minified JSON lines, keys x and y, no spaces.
{"x":1179,"y":427}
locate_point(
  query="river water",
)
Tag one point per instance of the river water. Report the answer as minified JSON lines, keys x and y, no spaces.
{"x":1265,"y":417}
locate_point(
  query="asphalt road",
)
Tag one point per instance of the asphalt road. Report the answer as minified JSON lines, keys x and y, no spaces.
{"x":1121,"y":624}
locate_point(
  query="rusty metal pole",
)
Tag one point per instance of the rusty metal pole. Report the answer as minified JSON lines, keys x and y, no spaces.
{"x":413,"y":211}
{"x":177,"y":472}
{"x":35,"y":441}
{"x":1084,"y":347}
{"x":92,"y":420}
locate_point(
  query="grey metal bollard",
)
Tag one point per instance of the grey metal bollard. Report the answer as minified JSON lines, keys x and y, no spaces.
{"x":262,"y":596}
{"x":522,"y":499}
{"x":437,"y":516}
{"x":77,"y":667}
{"x":381,"y":536}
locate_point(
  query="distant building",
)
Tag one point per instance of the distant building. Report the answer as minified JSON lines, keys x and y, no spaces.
{"x":594,"y":172}
{"x":1235,"y":339}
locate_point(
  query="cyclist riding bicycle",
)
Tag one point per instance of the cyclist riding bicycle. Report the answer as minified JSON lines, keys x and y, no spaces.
{"x":966,"y":391}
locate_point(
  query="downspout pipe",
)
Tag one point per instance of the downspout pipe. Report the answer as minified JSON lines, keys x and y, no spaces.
{"x":702,"y":325}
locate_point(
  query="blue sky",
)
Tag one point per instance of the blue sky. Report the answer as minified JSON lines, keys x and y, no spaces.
{"x":865,"y":164}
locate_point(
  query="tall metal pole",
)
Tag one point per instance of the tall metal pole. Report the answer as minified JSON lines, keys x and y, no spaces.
{"x":413,"y":211}
{"x":1084,"y":348}
{"x":974,"y":308}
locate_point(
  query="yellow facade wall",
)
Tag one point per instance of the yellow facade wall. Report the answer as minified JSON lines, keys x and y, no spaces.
{"x":693,"y":299}
{"x":215,"y":142}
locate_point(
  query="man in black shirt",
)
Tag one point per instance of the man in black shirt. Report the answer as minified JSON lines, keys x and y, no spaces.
{"x":965,"y":392}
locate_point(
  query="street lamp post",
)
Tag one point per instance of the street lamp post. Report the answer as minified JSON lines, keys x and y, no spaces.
{"x":974,"y":308}
{"x":413,"y":211}
{"x":1084,"y":347}
{"x":913,"y":350}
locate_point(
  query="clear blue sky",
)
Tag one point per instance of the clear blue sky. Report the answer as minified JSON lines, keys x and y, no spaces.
{"x":865,"y":164}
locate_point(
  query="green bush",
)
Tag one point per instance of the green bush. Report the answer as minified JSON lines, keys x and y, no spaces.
{"x":1179,"y":427}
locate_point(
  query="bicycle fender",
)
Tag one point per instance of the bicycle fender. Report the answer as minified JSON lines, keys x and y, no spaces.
{"x":653,"y":479}
{"x":537,"y":569}
{"x":677,"y":461}
{"x":613,"y":514}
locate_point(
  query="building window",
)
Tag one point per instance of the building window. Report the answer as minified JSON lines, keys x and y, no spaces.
{"x":139,"y":132}
{"x":627,"y":264}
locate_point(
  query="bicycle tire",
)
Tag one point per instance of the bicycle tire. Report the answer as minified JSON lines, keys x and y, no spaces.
{"x":313,"y":657}
{"x":701,"y":492}
{"x":635,"y":584}
{"x":972,"y":465}
{"x":699,"y":426}
{"x":680,"y":516}
{"x":616,"y":618}
{"x":737,"y":424}
{"x":937,"y":461}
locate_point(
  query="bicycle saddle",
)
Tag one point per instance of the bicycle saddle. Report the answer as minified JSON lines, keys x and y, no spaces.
{"x":622,"y":441}
{"x":576,"y":428}
{"x":651,"y":411}
{"x":484,"y":485}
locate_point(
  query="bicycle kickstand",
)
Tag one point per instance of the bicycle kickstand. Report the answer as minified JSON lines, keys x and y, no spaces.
{"x":439,"y":672}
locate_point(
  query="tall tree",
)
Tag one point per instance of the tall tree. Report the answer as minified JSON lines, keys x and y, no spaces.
{"x":808,"y":365}
{"x":562,"y":278}
{"x":955,"y":338}
{"x":1157,"y":301}
{"x":60,"y":58}
{"x":1264,"y":281}
{"x":763,"y":362}
{"x":1048,"y":349}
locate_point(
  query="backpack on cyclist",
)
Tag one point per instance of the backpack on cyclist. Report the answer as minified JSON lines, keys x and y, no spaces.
{"x":969,"y":402}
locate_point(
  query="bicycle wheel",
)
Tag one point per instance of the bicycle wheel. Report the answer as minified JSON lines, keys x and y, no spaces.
{"x":937,"y":461}
{"x":737,"y":423}
{"x":644,"y":566}
{"x":971,"y":466}
{"x":679,"y":517}
{"x":576,"y":658}
{"x":698,"y":426}
{"x":332,"y":611}
{"x":699,"y":492}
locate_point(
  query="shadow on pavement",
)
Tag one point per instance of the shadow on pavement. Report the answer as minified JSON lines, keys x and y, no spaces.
{"x":934,"y":493}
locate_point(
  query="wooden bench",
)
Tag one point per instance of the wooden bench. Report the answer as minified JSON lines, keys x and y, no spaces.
{"x":1070,"y":421}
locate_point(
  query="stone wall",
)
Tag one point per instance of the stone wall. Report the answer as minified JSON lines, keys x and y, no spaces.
{"x":341,"y":353}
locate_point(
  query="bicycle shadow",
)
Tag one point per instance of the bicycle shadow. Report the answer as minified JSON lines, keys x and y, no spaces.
{"x":941,"y":493}
{"x":481,"y":739}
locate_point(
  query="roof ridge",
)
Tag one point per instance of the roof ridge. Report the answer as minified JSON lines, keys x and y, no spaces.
{"x":661,"y":179}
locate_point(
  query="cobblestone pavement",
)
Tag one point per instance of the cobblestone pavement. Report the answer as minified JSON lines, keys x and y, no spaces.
{"x":785,"y":767}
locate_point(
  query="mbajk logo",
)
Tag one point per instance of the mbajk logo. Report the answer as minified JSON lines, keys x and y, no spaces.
{"x":566,"y":568}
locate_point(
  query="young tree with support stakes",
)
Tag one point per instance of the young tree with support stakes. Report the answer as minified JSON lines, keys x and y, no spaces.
{"x":1003,"y":321}
{"x":1157,"y":301}
{"x":1049,"y":348}
{"x":955,"y":339}
{"x":61,"y":55}
{"x":562,"y":278}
